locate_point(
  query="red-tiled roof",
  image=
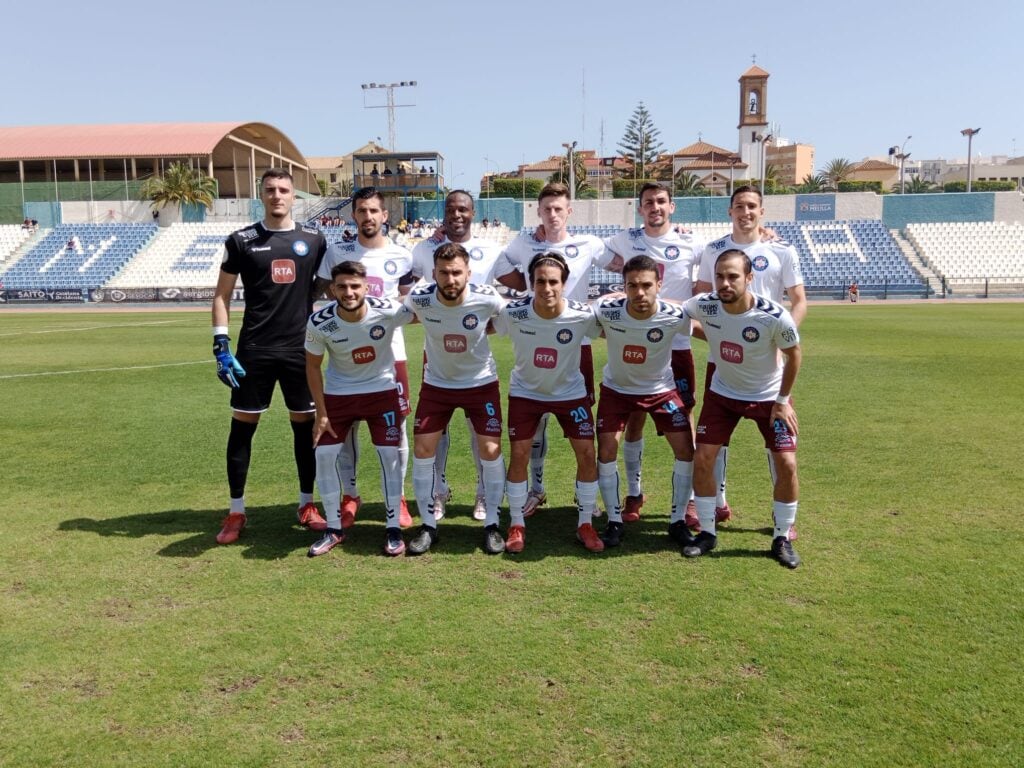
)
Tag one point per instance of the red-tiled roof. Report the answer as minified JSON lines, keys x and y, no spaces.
{"x":700,"y":148}
{"x":43,"y":142}
{"x":875,"y":165}
{"x":755,"y":71}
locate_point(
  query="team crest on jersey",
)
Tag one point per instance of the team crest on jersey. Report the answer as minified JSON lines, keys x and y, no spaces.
{"x":476,"y":254}
{"x":390,"y":267}
{"x":299,"y":248}
{"x":789,"y":335}
{"x":759,"y":262}
{"x":571,"y":251}
{"x":655,"y":335}
{"x":470,"y":321}
{"x":377,"y":332}
{"x":564,"y":336}
{"x":282,"y":271}
{"x":672,"y":252}
{"x":751,"y":334}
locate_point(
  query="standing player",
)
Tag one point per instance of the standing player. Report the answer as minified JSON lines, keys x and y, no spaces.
{"x":638,"y":379}
{"x":748,"y":335}
{"x":580,"y":253}
{"x":676,"y":255}
{"x":776,"y":268}
{"x":547,"y":332}
{"x":388,"y":275}
{"x":459,"y":372}
{"x":459,"y":211}
{"x":277,"y":260}
{"x":356,"y":333}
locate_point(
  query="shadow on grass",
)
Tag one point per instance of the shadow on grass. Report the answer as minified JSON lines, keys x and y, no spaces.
{"x":270,"y":534}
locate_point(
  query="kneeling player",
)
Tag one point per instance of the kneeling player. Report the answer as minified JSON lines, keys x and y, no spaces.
{"x":356,"y":333}
{"x":546,"y":332}
{"x":746,"y":333}
{"x":459,"y":372}
{"x":638,"y":379}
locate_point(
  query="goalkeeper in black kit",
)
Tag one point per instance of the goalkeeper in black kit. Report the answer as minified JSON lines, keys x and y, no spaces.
{"x":277,"y":260}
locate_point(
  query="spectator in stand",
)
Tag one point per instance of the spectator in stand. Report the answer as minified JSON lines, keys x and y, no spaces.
{"x":854,"y":292}
{"x":485,"y":223}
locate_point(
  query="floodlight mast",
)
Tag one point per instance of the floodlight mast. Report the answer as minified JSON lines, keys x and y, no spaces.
{"x":390,"y":106}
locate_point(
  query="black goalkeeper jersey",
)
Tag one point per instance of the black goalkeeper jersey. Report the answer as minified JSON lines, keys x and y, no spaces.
{"x":278,"y":271}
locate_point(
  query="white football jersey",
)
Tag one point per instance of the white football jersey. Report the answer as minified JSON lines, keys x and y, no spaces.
{"x":640,"y":351}
{"x":745,"y":347}
{"x":776,"y":265}
{"x":455,"y":338}
{"x":676,"y":254}
{"x":385,"y":267}
{"x":581,"y":252}
{"x":359,"y":355}
{"x":483,"y":254}
{"x":547,"y":352}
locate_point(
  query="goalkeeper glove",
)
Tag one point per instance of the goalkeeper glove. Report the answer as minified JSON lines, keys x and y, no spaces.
{"x":228,"y":368}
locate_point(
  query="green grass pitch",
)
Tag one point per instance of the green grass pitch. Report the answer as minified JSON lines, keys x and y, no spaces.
{"x":129,"y":638}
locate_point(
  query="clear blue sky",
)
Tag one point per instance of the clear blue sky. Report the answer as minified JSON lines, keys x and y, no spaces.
{"x":504,"y":80}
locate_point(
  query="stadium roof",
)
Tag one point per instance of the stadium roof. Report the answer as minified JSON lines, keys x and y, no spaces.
{"x":46,"y":142}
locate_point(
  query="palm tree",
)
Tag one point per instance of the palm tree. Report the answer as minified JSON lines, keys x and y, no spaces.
{"x":579,"y":163}
{"x":812,"y":182}
{"x":915,"y":186}
{"x":180,"y":185}
{"x":688,"y":185}
{"x":837,"y":171}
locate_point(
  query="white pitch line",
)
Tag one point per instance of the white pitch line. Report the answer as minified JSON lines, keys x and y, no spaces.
{"x":100,"y":370}
{"x":90,"y":328}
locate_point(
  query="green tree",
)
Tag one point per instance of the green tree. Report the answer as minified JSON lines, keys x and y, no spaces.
{"x":915,"y":185}
{"x":640,"y":145}
{"x":579,"y":169}
{"x":812,"y":182}
{"x":180,"y":185}
{"x":836,"y":172}
{"x":687,"y":184}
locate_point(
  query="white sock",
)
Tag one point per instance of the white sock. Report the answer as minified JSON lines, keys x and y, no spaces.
{"x":632,"y":456}
{"x":305,"y":498}
{"x":586,"y":497}
{"x":608,"y":482}
{"x":721,"y":462}
{"x":403,"y":457}
{"x":538,"y":452}
{"x":390,"y":483}
{"x":480,"y":490}
{"x":682,"y":488}
{"x":706,"y":513}
{"x":348,"y":461}
{"x":784,"y":513}
{"x":423,"y":486}
{"x":329,"y":482}
{"x":494,"y":488}
{"x":516,"y":501}
{"x":237,"y":506}
{"x":441,"y":464}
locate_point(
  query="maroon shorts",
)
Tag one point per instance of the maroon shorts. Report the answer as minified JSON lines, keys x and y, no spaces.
{"x":402,"y":384}
{"x":587,"y":369}
{"x":720,"y":415}
{"x":684,"y":376}
{"x":524,"y":416}
{"x":708,"y":373}
{"x":379,"y":410}
{"x":666,"y":409}
{"x":436,"y":405}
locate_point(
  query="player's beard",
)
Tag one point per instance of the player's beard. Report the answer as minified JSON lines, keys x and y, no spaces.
{"x":356,"y":308}
{"x":369,"y":229}
{"x":450,"y":293}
